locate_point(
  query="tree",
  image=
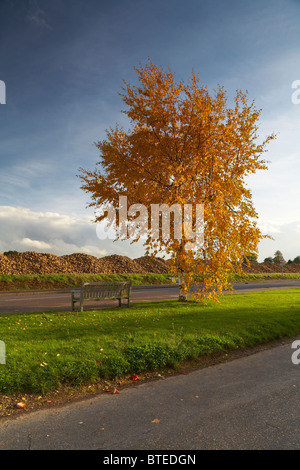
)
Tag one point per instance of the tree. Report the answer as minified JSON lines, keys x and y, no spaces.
{"x":185,"y":147}
{"x":277,"y":256}
{"x":297,"y":259}
{"x":269,"y":259}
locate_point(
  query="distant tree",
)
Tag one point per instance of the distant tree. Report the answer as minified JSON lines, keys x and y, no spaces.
{"x":268,"y":260}
{"x":277,"y":256}
{"x":297,"y":259}
{"x":10,"y":252}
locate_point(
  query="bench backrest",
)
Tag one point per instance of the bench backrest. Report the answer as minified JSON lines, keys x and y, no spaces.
{"x":96,"y":290}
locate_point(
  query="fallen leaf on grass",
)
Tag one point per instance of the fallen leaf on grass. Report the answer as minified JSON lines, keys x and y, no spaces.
{"x":112,"y":391}
{"x":21,"y":405}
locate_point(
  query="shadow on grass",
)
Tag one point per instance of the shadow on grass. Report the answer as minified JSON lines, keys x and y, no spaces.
{"x":47,"y":349}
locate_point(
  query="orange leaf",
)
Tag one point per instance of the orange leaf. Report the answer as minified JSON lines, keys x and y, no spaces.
{"x":114,"y":391}
{"x":156,"y":421}
{"x":21,"y":405}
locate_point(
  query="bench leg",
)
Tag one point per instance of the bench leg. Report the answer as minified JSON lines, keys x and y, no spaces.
{"x":72,"y":302}
{"x":120,"y":302}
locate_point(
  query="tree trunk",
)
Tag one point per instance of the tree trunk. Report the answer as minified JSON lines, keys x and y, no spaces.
{"x":182,"y":294}
{"x":182,"y":298}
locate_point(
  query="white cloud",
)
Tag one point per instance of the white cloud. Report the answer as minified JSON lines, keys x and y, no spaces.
{"x":269,"y":227}
{"x":285,"y":237}
{"x":22,"y":229}
{"x":35,"y":244}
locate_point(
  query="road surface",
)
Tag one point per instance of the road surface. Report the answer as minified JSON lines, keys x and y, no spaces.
{"x":61,"y":300}
{"x":248,"y":403}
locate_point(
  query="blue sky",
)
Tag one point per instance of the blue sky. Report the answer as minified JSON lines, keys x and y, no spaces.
{"x":63,"y":62}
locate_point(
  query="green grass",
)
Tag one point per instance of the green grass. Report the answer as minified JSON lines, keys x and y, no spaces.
{"x":46,"y":350}
{"x":258,"y":277}
{"x":13,"y":282}
{"x":65,"y":281}
{"x":263,"y":276}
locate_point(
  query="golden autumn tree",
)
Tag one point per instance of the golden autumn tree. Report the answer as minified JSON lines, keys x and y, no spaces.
{"x":185,"y":149}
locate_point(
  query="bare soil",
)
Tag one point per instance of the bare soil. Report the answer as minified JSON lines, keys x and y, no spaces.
{"x":30,"y":262}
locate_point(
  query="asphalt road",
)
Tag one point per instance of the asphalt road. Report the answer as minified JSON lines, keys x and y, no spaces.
{"x":61,"y":300}
{"x":248,"y":403}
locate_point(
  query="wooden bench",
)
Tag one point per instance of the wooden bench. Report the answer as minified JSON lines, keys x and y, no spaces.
{"x":101,"y":291}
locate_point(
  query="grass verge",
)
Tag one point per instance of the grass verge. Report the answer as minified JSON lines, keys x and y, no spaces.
{"x":10,"y":282}
{"x":263,"y":276}
{"x":45,"y":351}
{"x":14,"y":282}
